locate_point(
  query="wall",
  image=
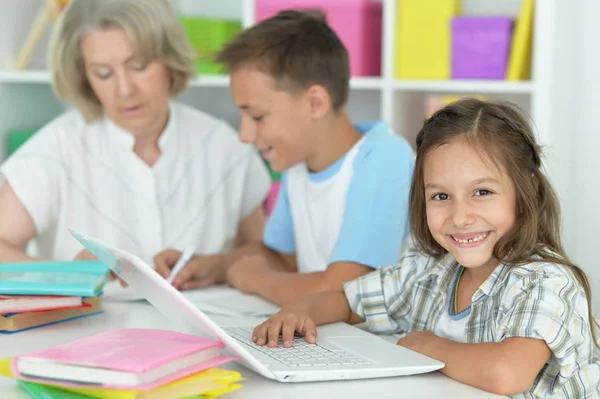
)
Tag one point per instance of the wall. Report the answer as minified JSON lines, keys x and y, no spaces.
{"x":219,"y":9}
{"x":585,"y":135}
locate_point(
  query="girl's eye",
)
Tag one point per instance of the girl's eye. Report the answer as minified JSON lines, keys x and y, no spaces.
{"x":257,"y":119}
{"x":482,"y":192}
{"x":440,"y":197}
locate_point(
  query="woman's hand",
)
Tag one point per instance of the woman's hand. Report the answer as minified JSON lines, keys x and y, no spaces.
{"x":201,"y":271}
{"x":293,"y":318}
{"x":87,"y":255}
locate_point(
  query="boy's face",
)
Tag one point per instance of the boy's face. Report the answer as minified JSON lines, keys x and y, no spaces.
{"x":278,"y":123}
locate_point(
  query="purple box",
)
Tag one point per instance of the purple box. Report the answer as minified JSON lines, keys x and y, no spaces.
{"x":480,"y":47}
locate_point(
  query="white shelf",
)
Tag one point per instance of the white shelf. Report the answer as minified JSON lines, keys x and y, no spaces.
{"x":24,"y":77}
{"x":31,"y":76}
{"x":210,"y":81}
{"x":43,"y":77}
{"x":374,"y":83}
{"x":464,"y":86}
{"x":357,"y":83}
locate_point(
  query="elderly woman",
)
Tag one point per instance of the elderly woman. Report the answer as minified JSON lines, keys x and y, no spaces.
{"x":129,"y":164}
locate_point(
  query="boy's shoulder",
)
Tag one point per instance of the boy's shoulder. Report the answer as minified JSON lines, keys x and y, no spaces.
{"x":381,"y":144}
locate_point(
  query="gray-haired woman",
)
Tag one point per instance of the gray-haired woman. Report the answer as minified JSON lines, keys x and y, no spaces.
{"x":129,"y":164}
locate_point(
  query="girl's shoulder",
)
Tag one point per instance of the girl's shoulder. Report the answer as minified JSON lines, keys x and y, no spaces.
{"x":540,"y":275}
{"x":422,"y":264}
{"x":540,"y":268}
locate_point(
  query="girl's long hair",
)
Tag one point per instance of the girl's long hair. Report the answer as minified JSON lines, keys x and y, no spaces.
{"x":503,"y":136}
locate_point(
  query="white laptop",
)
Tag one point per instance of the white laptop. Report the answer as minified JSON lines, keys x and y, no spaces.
{"x":342,"y":351}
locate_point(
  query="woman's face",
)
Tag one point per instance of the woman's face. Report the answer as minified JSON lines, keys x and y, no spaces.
{"x":133,"y":91}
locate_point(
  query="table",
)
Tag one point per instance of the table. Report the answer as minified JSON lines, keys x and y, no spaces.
{"x":143,"y":315}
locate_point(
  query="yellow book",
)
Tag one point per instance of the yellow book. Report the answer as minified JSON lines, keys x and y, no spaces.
{"x":210,"y":383}
{"x":519,"y":62}
{"x":424,"y":38}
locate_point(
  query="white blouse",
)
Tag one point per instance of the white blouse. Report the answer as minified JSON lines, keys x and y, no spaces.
{"x":86,"y":176}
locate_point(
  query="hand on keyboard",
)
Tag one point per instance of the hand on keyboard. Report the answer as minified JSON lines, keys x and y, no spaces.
{"x":289,"y":320}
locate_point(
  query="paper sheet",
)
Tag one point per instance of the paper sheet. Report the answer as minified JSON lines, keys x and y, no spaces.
{"x":227,"y":301}
{"x":113,"y":291}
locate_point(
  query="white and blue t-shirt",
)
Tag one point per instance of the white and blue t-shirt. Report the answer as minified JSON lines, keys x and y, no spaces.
{"x":356,"y":210}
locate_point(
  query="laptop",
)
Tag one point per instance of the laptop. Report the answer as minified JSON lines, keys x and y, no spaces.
{"x":342,"y":351}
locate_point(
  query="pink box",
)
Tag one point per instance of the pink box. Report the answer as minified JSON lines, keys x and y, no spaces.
{"x":356,"y":22}
{"x":272,"y":197}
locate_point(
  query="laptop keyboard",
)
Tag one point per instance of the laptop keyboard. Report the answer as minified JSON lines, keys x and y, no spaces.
{"x":301,"y":354}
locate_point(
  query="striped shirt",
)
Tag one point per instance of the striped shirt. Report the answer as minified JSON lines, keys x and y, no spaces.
{"x":538,"y":300}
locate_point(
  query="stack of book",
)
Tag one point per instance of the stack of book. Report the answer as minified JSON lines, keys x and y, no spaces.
{"x":35,"y":294}
{"x":125,"y":363}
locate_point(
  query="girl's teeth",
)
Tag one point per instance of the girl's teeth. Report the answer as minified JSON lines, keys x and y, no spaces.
{"x":470,"y":240}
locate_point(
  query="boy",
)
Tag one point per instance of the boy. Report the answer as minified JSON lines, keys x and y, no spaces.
{"x":343,"y":205}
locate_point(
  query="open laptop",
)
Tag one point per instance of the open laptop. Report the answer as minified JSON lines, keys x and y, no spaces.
{"x":342,"y":351}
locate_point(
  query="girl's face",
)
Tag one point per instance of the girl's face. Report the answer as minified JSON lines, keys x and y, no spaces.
{"x":470,"y":203}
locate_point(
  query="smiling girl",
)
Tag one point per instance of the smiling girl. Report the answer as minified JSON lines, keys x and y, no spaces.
{"x":487,"y":288}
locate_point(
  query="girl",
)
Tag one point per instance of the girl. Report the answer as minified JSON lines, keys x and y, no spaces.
{"x":487,"y":288}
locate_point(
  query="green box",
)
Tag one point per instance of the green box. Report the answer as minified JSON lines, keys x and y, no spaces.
{"x":16,"y":138}
{"x":275,"y":176}
{"x":207,"y":36}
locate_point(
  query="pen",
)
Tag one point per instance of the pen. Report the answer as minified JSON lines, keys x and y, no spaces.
{"x":183,"y":260}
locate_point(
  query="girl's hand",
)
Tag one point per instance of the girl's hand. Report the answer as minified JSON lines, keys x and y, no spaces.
{"x":293,"y":318}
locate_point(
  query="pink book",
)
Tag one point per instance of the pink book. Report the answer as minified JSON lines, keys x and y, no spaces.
{"x":122,"y":358}
{"x":25,"y":303}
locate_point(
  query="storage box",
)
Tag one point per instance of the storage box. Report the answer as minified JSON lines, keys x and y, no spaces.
{"x":480,"y":47}
{"x":208,"y":36}
{"x":17,"y":138}
{"x":423,"y":38}
{"x":272,"y":197}
{"x":356,"y":22}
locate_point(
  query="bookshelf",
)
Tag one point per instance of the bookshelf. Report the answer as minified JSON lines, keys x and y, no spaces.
{"x":26,"y":99}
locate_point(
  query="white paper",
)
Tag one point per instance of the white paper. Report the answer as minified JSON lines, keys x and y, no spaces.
{"x":227,"y":301}
{"x":114,"y":291}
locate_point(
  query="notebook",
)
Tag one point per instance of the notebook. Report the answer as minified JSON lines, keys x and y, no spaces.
{"x":24,"y":303}
{"x":41,"y":391}
{"x":73,"y":278}
{"x":37,"y":391}
{"x":227,"y":301}
{"x":207,"y":383}
{"x":16,"y":322}
{"x":125,"y":357}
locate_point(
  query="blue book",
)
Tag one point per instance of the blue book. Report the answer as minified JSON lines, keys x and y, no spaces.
{"x":75,"y":278}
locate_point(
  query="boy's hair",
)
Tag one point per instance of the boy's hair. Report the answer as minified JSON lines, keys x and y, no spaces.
{"x":297,"y":49}
{"x":152,"y":27}
{"x":504,"y":136}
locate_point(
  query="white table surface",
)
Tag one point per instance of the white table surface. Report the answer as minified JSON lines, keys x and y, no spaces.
{"x":143,"y":315}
